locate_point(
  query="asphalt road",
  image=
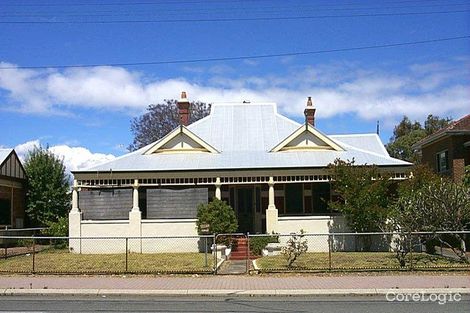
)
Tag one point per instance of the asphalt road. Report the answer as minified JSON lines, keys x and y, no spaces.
{"x":337,"y":304}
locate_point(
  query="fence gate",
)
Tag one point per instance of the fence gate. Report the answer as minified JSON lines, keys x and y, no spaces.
{"x":233,"y":254}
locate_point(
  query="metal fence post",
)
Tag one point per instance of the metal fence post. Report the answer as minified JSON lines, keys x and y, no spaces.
{"x":34,"y":254}
{"x":411,"y":251}
{"x":205,"y":250}
{"x":329,"y":251}
{"x":247,"y":264}
{"x":127,"y":252}
{"x":214,"y":250}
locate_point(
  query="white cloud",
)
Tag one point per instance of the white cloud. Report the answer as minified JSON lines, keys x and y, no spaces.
{"x":436,"y":88}
{"x":79,"y":158}
{"x":22,"y":149}
{"x":74,"y":158}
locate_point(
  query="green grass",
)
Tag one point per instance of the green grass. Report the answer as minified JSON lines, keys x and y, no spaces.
{"x":62,"y":261}
{"x":355,"y":260}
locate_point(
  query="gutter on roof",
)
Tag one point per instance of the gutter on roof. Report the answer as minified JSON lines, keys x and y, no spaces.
{"x":431,"y":138}
{"x":229,"y":169}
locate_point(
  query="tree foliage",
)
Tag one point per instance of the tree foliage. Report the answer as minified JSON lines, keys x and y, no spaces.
{"x":407,"y":133}
{"x":466,"y":177}
{"x":429,"y":203}
{"x":365,"y":195}
{"x":160,"y":119}
{"x":217,"y":216}
{"x":47,"y":195}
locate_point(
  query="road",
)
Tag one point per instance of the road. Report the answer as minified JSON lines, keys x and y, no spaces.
{"x":131,"y":303}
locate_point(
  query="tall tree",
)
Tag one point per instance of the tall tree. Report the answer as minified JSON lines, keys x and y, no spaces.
{"x":434,"y":123}
{"x":48,"y":190}
{"x":407,"y":133}
{"x":160,"y":119}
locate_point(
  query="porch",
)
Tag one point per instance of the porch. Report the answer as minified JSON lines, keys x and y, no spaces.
{"x":147,"y":206}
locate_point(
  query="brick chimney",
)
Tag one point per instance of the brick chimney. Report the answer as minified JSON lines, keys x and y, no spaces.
{"x":183,"y":109}
{"x":310,"y":112}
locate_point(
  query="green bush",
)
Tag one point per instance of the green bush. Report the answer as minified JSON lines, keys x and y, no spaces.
{"x":217,"y":217}
{"x":257,"y":244}
{"x":57,"y":229}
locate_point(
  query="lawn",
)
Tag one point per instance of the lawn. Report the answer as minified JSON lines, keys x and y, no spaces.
{"x":354,"y":260}
{"x":62,"y":261}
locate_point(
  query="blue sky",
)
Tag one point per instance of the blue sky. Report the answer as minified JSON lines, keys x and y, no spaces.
{"x":84,"y":113}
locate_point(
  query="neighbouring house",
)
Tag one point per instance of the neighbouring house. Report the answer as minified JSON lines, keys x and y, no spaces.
{"x":269,"y":168}
{"x":12,"y":190}
{"x":447,"y":151}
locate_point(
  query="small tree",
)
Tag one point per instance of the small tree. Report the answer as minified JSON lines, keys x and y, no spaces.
{"x":434,"y":204}
{"x":217,"y":216}
{"x":295,"y":247}
{"x":365,"y":195}
{"x":47,"y":192}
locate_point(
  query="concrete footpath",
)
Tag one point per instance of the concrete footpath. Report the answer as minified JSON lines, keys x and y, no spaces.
{"x":234,"y":285}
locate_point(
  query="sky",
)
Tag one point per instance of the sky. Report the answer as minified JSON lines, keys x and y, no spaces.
{"x":360,"y":61}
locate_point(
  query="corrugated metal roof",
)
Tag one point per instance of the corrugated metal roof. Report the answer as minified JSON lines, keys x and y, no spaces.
{"x":4,"y":153}
{"x":244,"y":134}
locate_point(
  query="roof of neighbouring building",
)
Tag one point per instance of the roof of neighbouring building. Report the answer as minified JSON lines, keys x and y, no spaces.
{"x":250,"y":136}
{"x":10,"y":164}
{"x":461,"y":126}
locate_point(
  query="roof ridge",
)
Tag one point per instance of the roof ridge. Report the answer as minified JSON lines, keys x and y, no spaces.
{"x":450,"y":127}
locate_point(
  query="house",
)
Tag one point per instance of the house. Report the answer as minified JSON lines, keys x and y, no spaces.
{"x":447,"y":151}
{"x":269,"y":168}
{"x":12,"y":190}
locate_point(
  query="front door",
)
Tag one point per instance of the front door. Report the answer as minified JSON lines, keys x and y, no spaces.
{"x":245,"y":209}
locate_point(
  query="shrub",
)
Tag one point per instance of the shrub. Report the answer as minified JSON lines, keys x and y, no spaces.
{"x":257,"y":244}
{"x":218,"y":217}
{"x":295,"y":247}
{"x":57,"y":229}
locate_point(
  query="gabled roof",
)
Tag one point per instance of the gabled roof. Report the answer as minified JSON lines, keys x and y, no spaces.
{"x":459,"y":127}
{"x":181,"y":139}
{"x":305,"y":138}
{"x":244,"y":136}
{"x":10,"y":164}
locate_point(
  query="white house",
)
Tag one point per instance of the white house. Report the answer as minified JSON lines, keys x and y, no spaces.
{"x":269,"y":168}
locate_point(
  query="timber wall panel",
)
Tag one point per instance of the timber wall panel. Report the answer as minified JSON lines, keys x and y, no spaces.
{"x":173,"y":203}
{"x":105,"y":205}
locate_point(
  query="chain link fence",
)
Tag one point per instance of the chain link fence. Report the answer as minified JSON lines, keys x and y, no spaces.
{"x":361,"y":251}
{"x":108,"y":255}
{"x":268,"y":253}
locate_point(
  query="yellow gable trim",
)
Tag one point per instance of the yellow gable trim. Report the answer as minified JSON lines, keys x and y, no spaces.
{"x":158,"y":147}
{"x":329,"y":144}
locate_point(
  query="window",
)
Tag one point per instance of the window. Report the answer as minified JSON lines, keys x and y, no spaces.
{"x":442,"y":160}
{"x":320,"y":197}
{"x":5,"y":212}
{"x":294,"y":198}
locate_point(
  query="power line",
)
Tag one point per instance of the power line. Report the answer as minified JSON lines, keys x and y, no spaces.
{"x":261,"y":56}
{"x":261,"y":10}
{"x":218,"y":2}
{"x":271,"y":18}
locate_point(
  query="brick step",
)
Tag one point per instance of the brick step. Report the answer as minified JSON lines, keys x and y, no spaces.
{"x":240,"y":250}
{"x":242,"y":257}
